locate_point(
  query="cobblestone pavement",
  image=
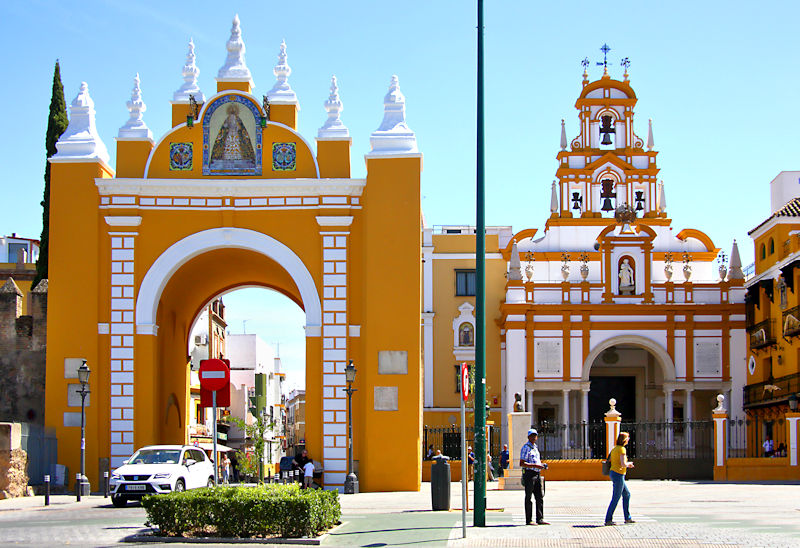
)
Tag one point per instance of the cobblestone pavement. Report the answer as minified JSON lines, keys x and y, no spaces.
{"x":680,"y":514}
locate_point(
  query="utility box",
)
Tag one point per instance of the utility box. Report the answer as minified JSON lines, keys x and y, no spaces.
{"x":440,"y":483}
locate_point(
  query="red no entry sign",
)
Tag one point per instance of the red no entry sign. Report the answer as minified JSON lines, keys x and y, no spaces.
{"x":464,"y":381}
{"x":214,"y":375}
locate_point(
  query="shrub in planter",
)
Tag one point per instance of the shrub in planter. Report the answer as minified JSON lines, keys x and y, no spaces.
{"x":265,"y":510}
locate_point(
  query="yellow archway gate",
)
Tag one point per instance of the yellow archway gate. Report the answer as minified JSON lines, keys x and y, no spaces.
{"x":231,"y":196}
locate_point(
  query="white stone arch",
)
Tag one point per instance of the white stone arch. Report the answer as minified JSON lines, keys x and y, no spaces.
{"x":662,"y":357}
{"x":198,"y":243}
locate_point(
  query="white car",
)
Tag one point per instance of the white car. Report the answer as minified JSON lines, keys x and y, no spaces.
{"x":161,"y":469}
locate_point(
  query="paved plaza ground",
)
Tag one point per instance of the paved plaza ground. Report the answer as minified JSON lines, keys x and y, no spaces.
{"x":668,"y":513}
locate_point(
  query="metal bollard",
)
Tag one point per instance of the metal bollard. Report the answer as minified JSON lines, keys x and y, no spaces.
{"x":276,"y":479}
{"x":105,"y":485}
{"x":47,"y":490}
{"x":78,"y":486}
{"x":296,"y":475}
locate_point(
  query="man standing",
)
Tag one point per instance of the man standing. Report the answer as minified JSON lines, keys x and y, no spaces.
{"x":504,"y":460}
{"x":531,"y":464}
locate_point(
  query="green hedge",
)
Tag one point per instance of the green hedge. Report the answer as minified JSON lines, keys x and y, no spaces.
{"x":266,"y":510}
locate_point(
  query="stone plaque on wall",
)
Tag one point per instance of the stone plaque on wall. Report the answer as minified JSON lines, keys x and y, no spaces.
{"x":386,"y":398}
{"x":547,"y":357}
{"x":74,"y":395}
{"x":71,"y":366}
{"x":707,"y":358}
{"x":393,"y":362}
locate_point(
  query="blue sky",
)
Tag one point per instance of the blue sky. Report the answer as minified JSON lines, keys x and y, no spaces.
{"x":719,"y":79}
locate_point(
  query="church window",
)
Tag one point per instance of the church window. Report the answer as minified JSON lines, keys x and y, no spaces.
{"x":465,"y":283}
{"x":763,"y":252}
{"x":771,"y":246}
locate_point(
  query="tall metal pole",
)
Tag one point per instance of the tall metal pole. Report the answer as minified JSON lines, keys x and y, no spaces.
{"x":464,"y":482}
{"x":479,"y":515}
{"x":214,"y":403}
{"x":83,"y":441}
{"x":349,"y":430}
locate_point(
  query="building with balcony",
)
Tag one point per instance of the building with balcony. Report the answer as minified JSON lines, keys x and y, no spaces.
{"x":773,"y":316}
{"x":295,"y":427}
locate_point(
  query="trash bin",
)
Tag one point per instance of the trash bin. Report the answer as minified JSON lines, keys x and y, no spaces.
{"x":440,"y":483}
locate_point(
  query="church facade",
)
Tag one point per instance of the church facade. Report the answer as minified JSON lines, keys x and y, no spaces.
{"x":608,"y":302}
{"x":231,"y":196}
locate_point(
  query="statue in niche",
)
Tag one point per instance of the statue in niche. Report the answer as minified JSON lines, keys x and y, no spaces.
{"x":626,"y":281}
{"x":466,"y":335}
{"x":232,"y":148}
{"x":518,"y":407}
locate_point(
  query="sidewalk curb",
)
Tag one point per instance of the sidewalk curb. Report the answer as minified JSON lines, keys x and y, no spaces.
{"x":305,"y":541}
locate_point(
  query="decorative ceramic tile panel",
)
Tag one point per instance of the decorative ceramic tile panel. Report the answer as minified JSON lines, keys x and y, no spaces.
{"x":180,"y":156}
{"x":284,"y":156}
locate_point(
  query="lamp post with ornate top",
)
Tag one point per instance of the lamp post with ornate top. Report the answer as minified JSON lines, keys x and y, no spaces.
{"x":351,"y":481}
{"x":83,"y":488}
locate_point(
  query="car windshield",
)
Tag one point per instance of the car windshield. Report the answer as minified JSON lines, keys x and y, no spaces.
{"x":155,"y":456}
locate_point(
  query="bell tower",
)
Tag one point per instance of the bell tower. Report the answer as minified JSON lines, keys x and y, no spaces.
{"x":607,"y":164}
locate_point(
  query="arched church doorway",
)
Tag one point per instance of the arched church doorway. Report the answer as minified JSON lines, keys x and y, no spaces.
{"x":633,"y":371}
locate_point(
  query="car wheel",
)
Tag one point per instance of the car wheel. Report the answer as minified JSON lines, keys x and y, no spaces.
{"x":210,"y":483}
{"x":119,"y":502}
{"x":180,"y":486}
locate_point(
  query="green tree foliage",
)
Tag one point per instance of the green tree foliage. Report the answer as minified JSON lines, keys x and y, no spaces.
{"x":256,"y":432}
{"x":56,"y":125}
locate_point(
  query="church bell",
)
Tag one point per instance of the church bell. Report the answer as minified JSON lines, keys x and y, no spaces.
{"x":606,"y":139}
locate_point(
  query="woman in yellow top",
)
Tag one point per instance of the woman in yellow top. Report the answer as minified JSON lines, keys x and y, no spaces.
{"x":619,"y":465}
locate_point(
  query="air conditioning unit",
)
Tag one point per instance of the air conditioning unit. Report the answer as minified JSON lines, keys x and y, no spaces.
{"x":200,"y":339}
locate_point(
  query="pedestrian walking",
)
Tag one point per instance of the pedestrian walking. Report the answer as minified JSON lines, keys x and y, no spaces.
{"x":489,"y":471}
{"x":226,"y":468}
{"x":470,"y":464}
{"x":619,"y":467}
{"x":308,"y":474}
{"x":234,"y":468}
{"x":531,"y":463}
{"x":503,"y":460}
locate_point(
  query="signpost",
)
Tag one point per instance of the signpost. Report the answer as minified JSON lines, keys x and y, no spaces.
{"x":215,"y":375}
{"x":464,"y":483}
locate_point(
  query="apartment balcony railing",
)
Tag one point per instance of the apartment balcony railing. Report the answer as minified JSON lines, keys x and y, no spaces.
{"x":772,"y":391}
{"x":762,"y":334}
{"x":791,"y":322}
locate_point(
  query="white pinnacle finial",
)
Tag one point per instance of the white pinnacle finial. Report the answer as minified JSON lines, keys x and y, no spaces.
{"x":514,"y":267}
{"x":554,"y":199}
{"x":394,"y":136}
{"x":135,"y":128}
{"x":80,"y":139}
{"x":235,"y":69}
{"x":650,"y":134}
{"x":190,"y":74}
{"x":735,"y":272}
{"x":282,"y":93}
{"x":333,"y":128}
{"x":563,"y":136}
{"x":662,"y":198}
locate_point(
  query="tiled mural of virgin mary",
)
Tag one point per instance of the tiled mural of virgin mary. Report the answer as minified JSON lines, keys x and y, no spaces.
{"x":232,"y":137}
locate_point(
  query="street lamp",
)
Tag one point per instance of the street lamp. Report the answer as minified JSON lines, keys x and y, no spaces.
{"x":793,"y":402}
{"x":351,"y":482}
{"x":83,"y":377}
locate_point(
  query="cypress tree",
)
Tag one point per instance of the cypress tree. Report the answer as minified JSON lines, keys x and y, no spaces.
{"x":56,"y":124}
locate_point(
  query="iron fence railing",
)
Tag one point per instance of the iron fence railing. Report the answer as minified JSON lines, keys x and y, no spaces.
{"x":670,"y":440}
{"x":571,"y":441}
{"x":447,"y":439}
{"x":748,"y":437}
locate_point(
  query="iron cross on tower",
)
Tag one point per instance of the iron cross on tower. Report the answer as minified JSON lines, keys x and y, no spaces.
{"x":605,"y":49}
